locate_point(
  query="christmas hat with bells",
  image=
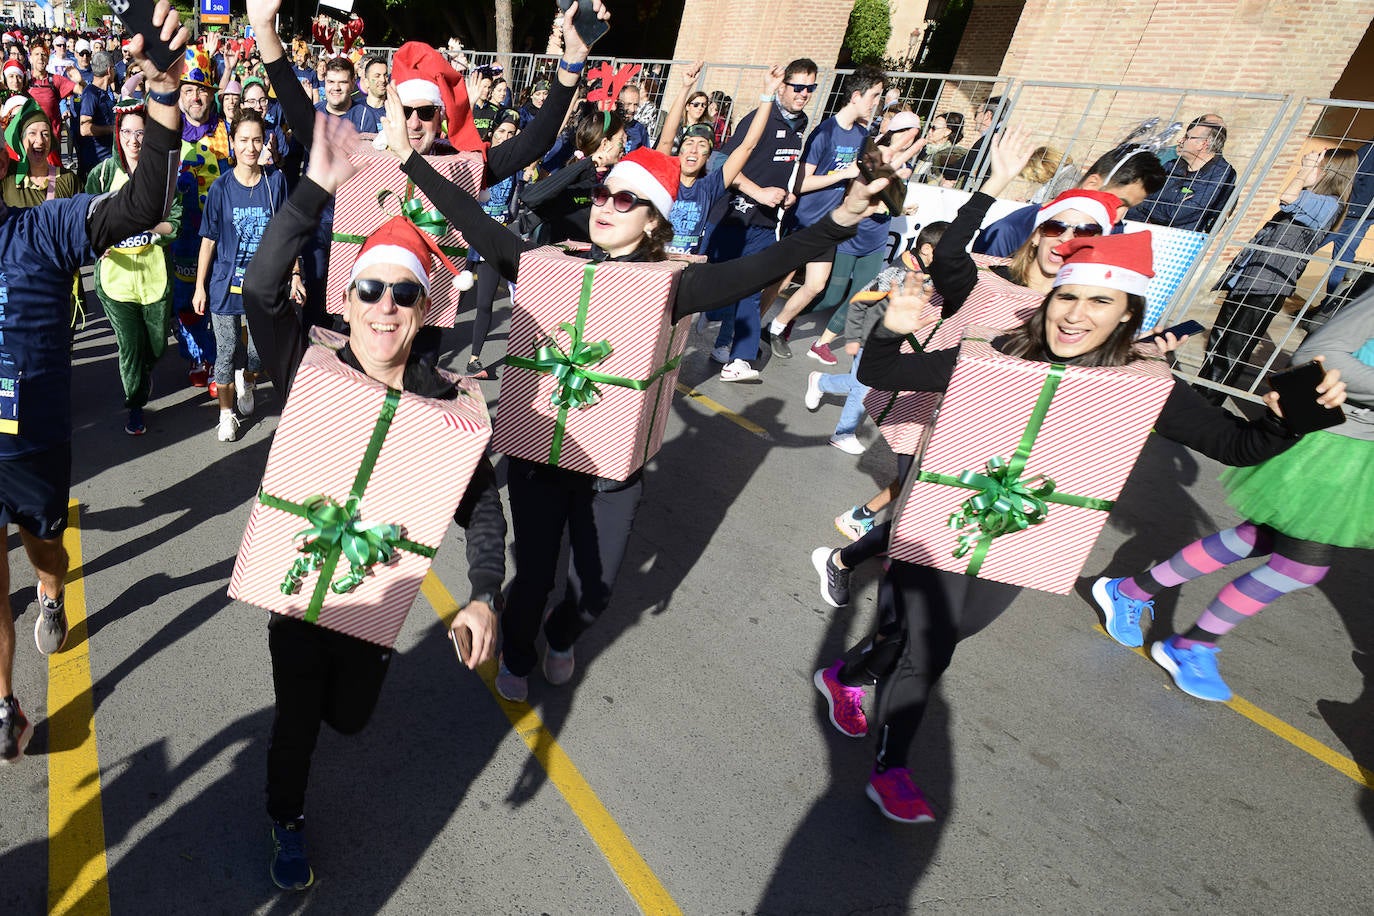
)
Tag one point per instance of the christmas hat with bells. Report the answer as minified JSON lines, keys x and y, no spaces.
{"x":400,"y":243}
{"x":423,"y":77}
{"x":1124,"y":262}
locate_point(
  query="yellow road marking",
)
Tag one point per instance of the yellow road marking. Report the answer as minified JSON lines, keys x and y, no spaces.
{"x":1299,"y":739}
{"x":77,"y":877}
{"x":639,"y":880}
{"x":724,"y":411}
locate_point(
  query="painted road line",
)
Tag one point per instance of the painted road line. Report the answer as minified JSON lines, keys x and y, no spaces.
{"x":639,"y":880}
{"x":1273,"y":724}
{"x":724,"y":411}
{"x":77,"y":877}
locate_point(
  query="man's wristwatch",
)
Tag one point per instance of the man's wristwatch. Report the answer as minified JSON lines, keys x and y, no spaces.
{"x":165,"y":98}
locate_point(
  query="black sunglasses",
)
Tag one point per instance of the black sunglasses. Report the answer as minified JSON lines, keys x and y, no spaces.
{"x":423,"y":112}
{"x":405,"y":293}
{"x":624,"y":201}
{"x":803,"y":87}
{"x":1055,"y":228}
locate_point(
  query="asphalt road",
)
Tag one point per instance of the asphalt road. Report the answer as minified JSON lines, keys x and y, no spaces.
{"x":1069,"y":774}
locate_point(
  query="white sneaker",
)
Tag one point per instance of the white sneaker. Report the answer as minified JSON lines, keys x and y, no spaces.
{"x":850,"y":444}
{"x":721,"y":355}
{"x":813,"y":390}
{"x":243,"y":399}
{"x":228,"y":427}
{"x":737,"y":371}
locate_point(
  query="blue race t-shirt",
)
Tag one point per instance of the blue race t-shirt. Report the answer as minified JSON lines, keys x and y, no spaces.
{"x":871,"y":235}
{"x":690,"y":210}
{"x":40,"y":250}
{"x":830,"y":148}
{"x":235,"y":219}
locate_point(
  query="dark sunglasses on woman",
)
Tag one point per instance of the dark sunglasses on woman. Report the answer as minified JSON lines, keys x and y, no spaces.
{"x":1056,"y":228}
{"x":624,"y":201}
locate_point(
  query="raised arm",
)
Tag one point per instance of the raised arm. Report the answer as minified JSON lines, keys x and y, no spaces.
{"x":734,"y":165}
{"x":534,"y":141}
{"x":295,"y":104}
{"x":673,"y":119}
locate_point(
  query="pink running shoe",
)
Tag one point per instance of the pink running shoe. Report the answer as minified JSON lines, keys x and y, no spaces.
{"x":845,"y":702}
{"x":821,"y":353}
{"x":898,"y":797}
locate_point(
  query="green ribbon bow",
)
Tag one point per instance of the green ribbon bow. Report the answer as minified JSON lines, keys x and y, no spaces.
{"x":1005,"y":502}
{"x":336,"y":529}
{"x":575,"y":382}
{"x":413,"y":209}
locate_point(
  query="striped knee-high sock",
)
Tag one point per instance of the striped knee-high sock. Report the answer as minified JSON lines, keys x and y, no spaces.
{"x":1198,"y":559}
{"x":1247,"y":596}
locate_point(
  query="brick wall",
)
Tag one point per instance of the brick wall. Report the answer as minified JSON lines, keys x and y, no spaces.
{"x":989,"y":33}
{"x":762,"y":31}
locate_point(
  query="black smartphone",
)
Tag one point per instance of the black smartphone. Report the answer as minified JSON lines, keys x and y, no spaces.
{"x":1186,"y":329}
{"x":1297,"y":388}
{"x":137,"y":16}
{"x":589,"y":28}
{"x":872,"y":167}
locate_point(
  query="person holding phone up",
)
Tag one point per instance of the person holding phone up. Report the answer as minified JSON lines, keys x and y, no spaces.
{"x":1298,"y":507}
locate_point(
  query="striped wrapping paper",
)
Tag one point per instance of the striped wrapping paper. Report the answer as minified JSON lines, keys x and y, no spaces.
{"x":630,"y":307}
{"x":902,"y":416}
{"x":1090,"y":439}
{"x":357,"y":214}
{"x":421,"y":473}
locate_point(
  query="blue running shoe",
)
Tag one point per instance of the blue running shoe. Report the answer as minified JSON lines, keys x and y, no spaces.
{"x":1194,"y":670}
{"x":1121,"y":614}
{"x":290,"y":867}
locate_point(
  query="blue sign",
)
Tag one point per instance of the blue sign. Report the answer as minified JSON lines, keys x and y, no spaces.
{"x":214,"y":7}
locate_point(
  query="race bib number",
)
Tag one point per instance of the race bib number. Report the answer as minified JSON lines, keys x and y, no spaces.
{"x":9,"y":402}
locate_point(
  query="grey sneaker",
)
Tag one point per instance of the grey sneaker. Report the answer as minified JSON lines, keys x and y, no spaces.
{"x":512,"y":687}
{"x":558,"y":666}
{"x":781,"y":349}
{"x":50,"y":629}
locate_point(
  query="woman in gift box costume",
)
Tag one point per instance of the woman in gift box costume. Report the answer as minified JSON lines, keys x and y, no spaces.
{"x":1091,"y":317}
{"x":321,"y":675}
{"x":1298,"y":507}
{"x":629,"y":222}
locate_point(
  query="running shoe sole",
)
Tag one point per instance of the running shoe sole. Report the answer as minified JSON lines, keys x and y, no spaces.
{"x":1108,"y":608}
{"x":819,"y":680}
{"x":878,"y":800}
{"x":1161,"y":657}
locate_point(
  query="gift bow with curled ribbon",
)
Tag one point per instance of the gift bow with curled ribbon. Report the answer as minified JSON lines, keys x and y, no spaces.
{"x":1004,"y":503}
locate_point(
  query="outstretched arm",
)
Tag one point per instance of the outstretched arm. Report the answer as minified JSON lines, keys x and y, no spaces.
{"x":674,"y":116}
{"x":730,"y":171}
{"x":295,"y":104}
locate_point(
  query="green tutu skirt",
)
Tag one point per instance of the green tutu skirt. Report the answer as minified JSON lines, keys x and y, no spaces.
{"x":1321,"y":489}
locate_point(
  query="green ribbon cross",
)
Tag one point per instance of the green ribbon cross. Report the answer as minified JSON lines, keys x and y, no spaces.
{"x":413,"y":209}
{"x":1006,"y":502}
{"x":919,"y":346}
{"x":336,"y":529}
{"x":575,"y":382}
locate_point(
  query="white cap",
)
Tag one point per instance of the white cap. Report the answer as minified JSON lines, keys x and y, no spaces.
{"x":82,"y":45}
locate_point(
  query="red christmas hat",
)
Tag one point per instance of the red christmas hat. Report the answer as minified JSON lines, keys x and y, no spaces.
{"x":398,"y":242}
{"x":1124,"y":262}
{"x":423,"y":77}
{"x":1100,"y":205}
{"x":652,"y":175}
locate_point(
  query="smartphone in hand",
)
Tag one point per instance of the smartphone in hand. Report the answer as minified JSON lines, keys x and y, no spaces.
{"x":462,"y":643}
{"x":872,"y":167}
{"x":589,"y":28}
{"x":1186,"y":329}
{"x":137,"y":16}
{"x":1297,"y":388}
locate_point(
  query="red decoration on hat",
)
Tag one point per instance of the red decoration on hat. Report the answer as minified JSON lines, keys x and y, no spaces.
{"x":419,"y":64}
{"x":1124,"y":262}
{"x":611,"y":82}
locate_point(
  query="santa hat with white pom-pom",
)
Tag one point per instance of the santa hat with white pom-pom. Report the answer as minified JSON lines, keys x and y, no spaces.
{"x":398,"y":241}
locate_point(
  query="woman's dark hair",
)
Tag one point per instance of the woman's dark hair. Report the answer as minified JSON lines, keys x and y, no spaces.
{"x":699,"y":94}
{"x":593,"y":125}
{"x":955,"y":122}
{"x":249,"y":116}
{"x":1028,"y":341}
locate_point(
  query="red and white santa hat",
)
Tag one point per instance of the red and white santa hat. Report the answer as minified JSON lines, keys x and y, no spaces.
{"x":1124,"y":262}
{"x":398,"y":242}
{"x":1099,"y":205}
{"x":652,"y":175}
{"x":423,"y":77}
{"x":14,"y":65}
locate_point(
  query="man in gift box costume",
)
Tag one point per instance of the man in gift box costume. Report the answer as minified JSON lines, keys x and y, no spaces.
{"x":1082,"y":339}
{"x":41,"y":249}
{"x":322,"y":675}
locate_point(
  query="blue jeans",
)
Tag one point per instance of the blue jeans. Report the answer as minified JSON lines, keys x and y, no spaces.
{"x":739,"y":323}
{"x":1347,"y":238}
{"x":197,"y":340}
{"x":852,"y":414}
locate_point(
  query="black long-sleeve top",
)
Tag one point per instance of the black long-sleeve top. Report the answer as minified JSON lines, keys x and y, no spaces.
{"x":952,"y":270}
{"x":502,"y":161}
{"x":1186,"y":418}
{"x":279,"y":335}
{"x":703,"y":287}
{"x":563,"y":200}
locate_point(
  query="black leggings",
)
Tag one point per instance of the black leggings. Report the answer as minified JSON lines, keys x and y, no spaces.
{"x":923,"y":614}
{"x":319,"y":676}
{"x":486,"y":281}
{"x":544,"y":502}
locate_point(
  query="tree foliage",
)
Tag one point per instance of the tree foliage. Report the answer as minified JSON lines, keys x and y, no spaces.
{"x":870,"y":27}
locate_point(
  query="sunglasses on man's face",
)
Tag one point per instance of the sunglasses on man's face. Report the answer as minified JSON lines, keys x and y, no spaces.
{"x":405,"y":293}
{"x":623,"y":201}
{"x":423,"y":112}
{"x":803,"y":87}
{"x":1056,"y":229}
